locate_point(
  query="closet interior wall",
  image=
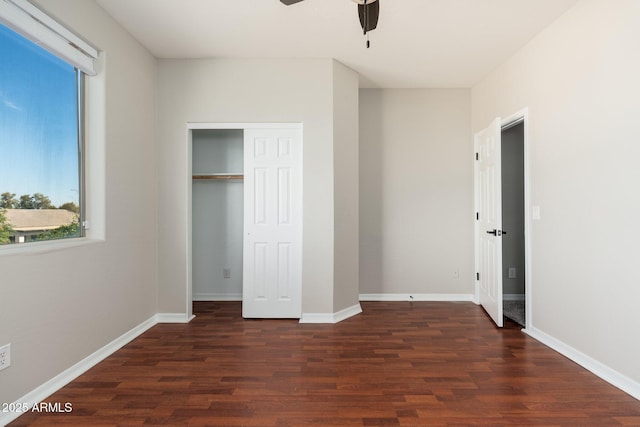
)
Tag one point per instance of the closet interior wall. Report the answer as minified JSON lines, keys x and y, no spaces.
{"x":217,"y":215}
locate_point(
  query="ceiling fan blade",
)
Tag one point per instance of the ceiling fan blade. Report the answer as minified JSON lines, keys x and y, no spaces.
{"x":290,"y":2}
{"x":368,"y":14}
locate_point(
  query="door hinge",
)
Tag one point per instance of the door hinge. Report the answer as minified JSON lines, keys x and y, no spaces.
{"x":477,"y":276}
{"x":477,"y":156}
{"x":477,"y":216}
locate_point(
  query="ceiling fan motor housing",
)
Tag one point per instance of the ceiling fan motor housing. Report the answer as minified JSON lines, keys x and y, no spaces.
{"x":368,"y":12}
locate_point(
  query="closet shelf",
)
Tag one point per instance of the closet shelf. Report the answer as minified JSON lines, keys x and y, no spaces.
{"x":219,"y":176}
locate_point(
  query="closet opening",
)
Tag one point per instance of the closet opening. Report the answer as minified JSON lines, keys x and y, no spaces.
{"x":217,"y":214}
{"x":244,"y":217}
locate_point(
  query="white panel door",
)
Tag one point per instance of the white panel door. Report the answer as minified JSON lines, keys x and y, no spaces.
{"x":489,"y":200}
{"x":272,"y":271}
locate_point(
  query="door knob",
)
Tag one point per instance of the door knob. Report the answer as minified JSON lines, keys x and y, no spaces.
{"x":494,"y":232}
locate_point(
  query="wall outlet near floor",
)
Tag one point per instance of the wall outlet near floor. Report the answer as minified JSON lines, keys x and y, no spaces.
{"x":226,"y":273}
{"x":512,"y":272}
{"x":5,"y":356}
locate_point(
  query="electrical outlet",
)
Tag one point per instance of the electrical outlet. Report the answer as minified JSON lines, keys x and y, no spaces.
{"x":5,"y":356}
{"x":512,"y":272}
{"x":226,"y":273}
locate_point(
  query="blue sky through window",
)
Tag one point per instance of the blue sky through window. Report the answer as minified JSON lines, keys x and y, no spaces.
{"x":38,"y":121}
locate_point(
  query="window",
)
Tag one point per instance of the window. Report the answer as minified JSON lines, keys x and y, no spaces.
{"x":42,"y":73}
{"x":40,"y":144}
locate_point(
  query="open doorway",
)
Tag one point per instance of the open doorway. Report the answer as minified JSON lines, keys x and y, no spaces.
{"x":513,"y":222}
{"x":502,"y":231}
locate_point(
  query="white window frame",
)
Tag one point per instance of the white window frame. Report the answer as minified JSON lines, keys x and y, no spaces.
{"x":29,"y":21}
{"x":34,"y":24}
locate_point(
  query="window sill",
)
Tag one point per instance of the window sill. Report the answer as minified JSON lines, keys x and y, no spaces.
{"x":37,"y":248}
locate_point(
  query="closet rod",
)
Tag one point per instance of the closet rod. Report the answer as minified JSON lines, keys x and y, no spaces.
{"x":223,"y":176}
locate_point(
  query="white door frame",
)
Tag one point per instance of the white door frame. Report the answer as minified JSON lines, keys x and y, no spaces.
{"x":191,"y":126}
{"x":523,"y":116}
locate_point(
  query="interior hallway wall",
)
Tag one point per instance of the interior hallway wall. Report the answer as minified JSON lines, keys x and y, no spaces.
{"x":513,"y":243}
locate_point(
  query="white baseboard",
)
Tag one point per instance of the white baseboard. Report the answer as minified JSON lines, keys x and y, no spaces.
{"x":173,"y":318}
{"x":417,"y":297}
{"x":347,"y":313}
{"x":205,"y":296}
{"x":331,"y":317}
{"x":56,"y":383}
{"x":513,"y":297}
{"x":611,"y":376}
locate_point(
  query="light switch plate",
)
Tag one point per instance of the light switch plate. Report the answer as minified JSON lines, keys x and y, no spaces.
{"x":535,"y":212}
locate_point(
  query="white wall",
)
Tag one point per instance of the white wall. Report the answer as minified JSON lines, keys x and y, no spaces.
{"x":416,"y":192}
{"x":345,"y":185}
{"x":59,"y":306}
{"x":579,"y":79}
{"x":217,"y":215}
{"x":248,"y":91}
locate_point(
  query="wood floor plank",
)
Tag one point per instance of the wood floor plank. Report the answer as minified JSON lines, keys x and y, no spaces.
{"x":396,"y":364}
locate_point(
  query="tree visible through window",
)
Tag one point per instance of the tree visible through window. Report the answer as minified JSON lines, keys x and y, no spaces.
{"x":40,"y":150}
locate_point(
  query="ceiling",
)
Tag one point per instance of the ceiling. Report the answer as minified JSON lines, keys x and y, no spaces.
{"x":418,"y":43}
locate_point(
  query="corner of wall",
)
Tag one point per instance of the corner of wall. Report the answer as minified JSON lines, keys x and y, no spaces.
{"x":346,"y":187}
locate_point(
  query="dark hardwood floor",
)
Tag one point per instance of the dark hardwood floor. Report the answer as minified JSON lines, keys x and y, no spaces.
{"x":396,"y":364}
